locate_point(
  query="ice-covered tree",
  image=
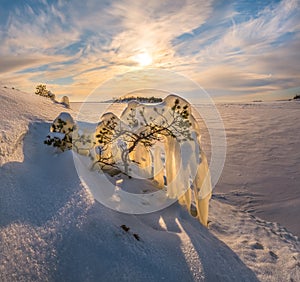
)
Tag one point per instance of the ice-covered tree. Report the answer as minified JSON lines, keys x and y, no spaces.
{"x":64,"y":135}
{"x":65,"y":101}
{"x":141,"y":127}
{"x":160,"y":143}
{"x":61,"y":130}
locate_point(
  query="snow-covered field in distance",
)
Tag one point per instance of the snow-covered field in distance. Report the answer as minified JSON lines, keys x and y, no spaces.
{"x":51,"y":229}
{"x":262,"y":169}
{"x":261,"y":173}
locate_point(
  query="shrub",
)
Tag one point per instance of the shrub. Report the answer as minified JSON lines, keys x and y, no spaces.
{"x":41,"y":90}
{"x":61,"y":130}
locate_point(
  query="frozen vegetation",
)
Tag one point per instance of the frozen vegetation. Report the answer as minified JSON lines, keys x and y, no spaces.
{"x":51,"y":228}
{"x":160,"y":142}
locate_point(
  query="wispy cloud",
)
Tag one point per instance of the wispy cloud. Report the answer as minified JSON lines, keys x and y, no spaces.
{"x":255,"y":55}
{"x":227,"y":47}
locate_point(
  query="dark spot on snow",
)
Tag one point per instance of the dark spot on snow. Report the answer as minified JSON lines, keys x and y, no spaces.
{"x":124,"y":227}
{"x":273,"y":255}
{"x":257,"y":246}
{"x":136,"y":236}
{"x":193,"y":210}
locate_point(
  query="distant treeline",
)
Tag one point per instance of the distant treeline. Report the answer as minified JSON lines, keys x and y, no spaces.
{"x":139,"y":99}
{"x":297,"y":97}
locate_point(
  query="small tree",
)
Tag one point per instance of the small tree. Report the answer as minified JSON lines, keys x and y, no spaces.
{"x":41,"y":90}
{"x":144,"y":130}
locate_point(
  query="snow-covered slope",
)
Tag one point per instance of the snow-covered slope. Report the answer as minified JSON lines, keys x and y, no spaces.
{"x":18,"y":109}
{"x":52,"y":229}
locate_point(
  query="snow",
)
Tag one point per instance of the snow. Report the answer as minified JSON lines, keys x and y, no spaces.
{"x":261,"y":173}
{"x":18,"y":110}
{"x":66,"y":117}
{"x":265,"y":246}
{"x":57,"y":135}
{"x":52,"y":229}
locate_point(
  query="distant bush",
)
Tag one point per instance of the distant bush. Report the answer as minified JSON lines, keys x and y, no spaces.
{"x":41,"y":90}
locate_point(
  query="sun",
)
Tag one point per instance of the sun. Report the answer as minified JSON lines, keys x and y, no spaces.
{"x":143,"y":59}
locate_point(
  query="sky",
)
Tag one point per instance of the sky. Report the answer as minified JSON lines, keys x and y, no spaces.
{"x":235,"y":50}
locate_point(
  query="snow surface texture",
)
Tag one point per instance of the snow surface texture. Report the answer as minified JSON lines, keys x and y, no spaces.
{"x":52,"y":229}
{"x":261,"y":173}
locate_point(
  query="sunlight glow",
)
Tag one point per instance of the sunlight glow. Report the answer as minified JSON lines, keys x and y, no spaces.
{"x":143,"y":59}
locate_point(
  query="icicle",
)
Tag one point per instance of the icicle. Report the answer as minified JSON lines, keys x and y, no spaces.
{"x":202,"y":189}
{"x":158,"y":167}
{"x":173,"y":161}
{"x":187,"y":156}
{"x":142,"y":162}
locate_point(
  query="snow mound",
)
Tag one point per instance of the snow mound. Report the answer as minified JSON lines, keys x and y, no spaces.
{"x":18,"y":109}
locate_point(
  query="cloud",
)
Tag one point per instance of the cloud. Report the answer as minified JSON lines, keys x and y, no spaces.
{"x":257,"y":54}
{"x":214,"y":42}
{"x":19,"y":63}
